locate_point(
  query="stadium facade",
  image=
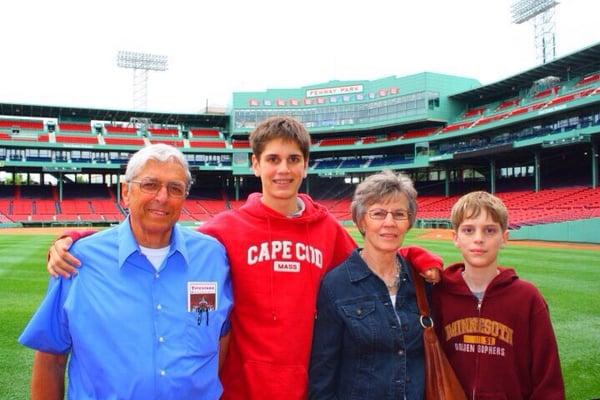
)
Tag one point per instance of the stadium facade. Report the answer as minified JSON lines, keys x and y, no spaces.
{"x":532,"y":138}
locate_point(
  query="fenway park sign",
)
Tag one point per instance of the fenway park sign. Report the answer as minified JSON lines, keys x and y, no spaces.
{"x":332,"y":91}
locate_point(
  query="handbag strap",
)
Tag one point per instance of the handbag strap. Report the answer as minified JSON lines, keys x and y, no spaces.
{"x":420,"y":292}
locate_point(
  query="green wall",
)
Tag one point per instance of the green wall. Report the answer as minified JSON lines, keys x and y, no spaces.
{"x":580,"y":231}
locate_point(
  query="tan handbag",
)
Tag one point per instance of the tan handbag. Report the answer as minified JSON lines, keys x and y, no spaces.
{"x":441,"y":382}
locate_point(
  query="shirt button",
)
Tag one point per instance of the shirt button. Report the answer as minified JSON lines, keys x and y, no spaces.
{"x":157,"y":275}
{"x":163,"y":372}
{"x":159,"y":307}
{"x":161,"y":339}
{"x":400,"y":352}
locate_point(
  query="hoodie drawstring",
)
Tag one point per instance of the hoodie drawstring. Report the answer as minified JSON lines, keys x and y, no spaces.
{"x":271,"y":275}
{"x":314,"y":285}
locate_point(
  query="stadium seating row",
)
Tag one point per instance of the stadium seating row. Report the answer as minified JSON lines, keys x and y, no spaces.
{"x":76,"y":210}
{"x":549,"y":96}
{"x":115,"y":141}
{"x":528,"y":207}
{"x":525,"y":207}
{"x":86,"y":128}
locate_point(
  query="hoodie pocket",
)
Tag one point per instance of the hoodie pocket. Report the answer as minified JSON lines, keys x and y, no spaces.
{"x":490,"y":396}
{"x":275,"y":381}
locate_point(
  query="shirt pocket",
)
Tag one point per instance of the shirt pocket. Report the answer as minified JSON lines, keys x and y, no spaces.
{"x":202,"y":334}
{"x":361,"y":320}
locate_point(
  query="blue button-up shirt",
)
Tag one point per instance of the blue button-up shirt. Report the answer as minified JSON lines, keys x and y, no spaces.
{"x":364,"y":347}
{"x":130,"y":329}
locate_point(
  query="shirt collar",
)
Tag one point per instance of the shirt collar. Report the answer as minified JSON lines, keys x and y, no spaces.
{"x":128,"y":244}
{"x":357,"y":268}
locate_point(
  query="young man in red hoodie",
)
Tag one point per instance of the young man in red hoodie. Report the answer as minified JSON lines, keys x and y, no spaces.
{"x":494,"y":327}
{"x":279,"y":244}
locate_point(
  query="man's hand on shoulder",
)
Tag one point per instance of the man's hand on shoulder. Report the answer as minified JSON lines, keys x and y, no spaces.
{"x":60,"y":261}
{"x":432,"y":275}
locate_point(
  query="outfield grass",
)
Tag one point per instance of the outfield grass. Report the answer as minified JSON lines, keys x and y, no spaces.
{"x":569,"y":280}
{"x":23,"y":281}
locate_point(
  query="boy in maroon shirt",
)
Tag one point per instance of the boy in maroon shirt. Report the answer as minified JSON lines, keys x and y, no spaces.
{"x":494,"y":327}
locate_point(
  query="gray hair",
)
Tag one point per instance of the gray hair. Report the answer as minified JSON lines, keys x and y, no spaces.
{"x":158,"y":152}
{"x":382,"y":187}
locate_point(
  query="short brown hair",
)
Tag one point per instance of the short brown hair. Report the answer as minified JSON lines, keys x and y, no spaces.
{"x":383,"y":186}
{"x":471,"y":204}
{"x":286,"y":128}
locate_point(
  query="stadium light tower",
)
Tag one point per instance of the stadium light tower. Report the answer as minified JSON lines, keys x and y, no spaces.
{"x":542,"y":14}
{"x":141,"y":63}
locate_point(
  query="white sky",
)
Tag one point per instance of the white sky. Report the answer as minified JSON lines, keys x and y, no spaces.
{"x":64,"y":52}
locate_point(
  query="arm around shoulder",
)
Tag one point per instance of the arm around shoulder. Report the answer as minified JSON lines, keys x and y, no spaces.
{"x":59,"y":260}
{"x":422,"y":259}
{"x":76,"y":235}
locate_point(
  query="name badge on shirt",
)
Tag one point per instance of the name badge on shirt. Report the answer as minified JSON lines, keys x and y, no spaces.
{"x":202,"y":296}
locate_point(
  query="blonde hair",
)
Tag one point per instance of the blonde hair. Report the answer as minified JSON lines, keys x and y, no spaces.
{"x":471,"y":204}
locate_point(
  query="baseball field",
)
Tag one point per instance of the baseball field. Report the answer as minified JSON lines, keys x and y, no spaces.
{"x":568,"y":276}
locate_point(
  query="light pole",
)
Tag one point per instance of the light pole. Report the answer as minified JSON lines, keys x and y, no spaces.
{"x":542,"y":14}
{"x":141,"y":63}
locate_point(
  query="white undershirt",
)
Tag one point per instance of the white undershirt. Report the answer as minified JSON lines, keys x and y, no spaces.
{"x":301,"y":207}
{"x":155,"y":256}
{"x":393,"y":298}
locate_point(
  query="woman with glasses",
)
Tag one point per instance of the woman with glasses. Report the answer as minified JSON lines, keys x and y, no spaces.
{"x":367,"y":340}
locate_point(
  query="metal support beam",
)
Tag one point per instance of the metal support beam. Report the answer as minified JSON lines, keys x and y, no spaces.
{"x":594,"y":165}
{"x":447,"y":182}
{"x":60,"y":187}
{"x":536,"y":170}
{"x":492,"y":176}
{"x":307,"y":183}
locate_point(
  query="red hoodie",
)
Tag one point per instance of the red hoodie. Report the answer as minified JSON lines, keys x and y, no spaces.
{"x":502,"y":347}
{"x":276,"y":267}
{"x":277,"y":264}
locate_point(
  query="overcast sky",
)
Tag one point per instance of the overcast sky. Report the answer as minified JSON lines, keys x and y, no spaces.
{"x":64,"y":52}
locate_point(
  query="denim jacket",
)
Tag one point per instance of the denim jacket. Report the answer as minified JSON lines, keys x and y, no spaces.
{"x":363,"y":347}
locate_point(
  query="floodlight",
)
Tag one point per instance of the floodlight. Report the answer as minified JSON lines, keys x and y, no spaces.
{"x":141,"y":63}
{"x":541,"y":12}
{"x":524,"y":10}
{"x":147,"y":61}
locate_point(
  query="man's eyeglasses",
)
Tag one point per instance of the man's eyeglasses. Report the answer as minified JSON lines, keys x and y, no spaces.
{"x":380,"y":213}
{"x":152,"y":186}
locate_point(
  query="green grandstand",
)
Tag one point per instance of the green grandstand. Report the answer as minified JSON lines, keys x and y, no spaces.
{"x":532,"y":138}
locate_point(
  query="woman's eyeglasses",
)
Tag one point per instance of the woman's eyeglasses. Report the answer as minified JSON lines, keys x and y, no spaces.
{"x":380,"y":213}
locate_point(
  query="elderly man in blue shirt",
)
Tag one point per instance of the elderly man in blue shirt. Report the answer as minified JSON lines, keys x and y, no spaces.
{"x":144,"y":319}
